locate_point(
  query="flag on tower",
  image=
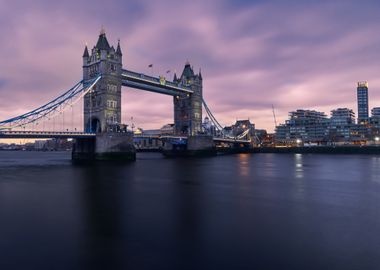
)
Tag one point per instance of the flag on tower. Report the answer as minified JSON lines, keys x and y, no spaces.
{"x":151,"y":65}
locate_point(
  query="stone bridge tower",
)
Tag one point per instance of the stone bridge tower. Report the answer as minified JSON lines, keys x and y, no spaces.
{"x":188,"y":108}
{"x":102,"y":106}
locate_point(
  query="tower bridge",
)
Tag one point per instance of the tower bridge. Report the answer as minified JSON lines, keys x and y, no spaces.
{"x":100,"y":94}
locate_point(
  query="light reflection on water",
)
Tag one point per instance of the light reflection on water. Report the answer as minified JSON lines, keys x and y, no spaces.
{"x":244,"y":166}
{"x":298,"y":166}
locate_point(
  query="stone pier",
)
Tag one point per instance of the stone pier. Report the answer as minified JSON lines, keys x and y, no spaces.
{"x":105,"y":146}
{"x":196,"y":146}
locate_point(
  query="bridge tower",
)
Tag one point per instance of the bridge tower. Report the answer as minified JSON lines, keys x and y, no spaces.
{"x":102,"y":106}
{"x":188,"y":108}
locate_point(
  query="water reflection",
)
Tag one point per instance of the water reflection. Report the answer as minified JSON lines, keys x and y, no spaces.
{"x":299,"y":176}
{"x":244,"y":167}
{"x":298,"y":166}
{"x":375,"y":167}
{"x":188,"y":212}
{"x":215,"y":213}
{"x":102,"y":195}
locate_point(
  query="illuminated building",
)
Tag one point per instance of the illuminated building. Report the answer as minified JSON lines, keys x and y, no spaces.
{"x":362,"y":98}
{"x":307,"y":125}
{"x":341,"y":123}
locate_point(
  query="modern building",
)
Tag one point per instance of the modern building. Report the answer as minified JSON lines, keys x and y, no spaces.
{"x":375,"y":116}
{"x":303,"y":125}
{"x":375,"y":122}
{"x":341,"y":123}
{"x":362,"y":98}
{"x":375,"y":112}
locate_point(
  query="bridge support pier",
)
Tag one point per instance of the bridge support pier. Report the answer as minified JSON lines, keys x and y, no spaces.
{"x":106,"y":146}
{"x":196,"y":146}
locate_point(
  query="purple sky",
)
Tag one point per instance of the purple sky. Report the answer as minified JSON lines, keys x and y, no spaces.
{"x":293,"y":54}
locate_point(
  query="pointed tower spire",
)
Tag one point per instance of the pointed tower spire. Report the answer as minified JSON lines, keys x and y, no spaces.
{"x":118,"y":50}
{"x":102,"y":43}
{"x":175,"y":77}
{"x":187,"y":71}
{"x":200,"y":74}
{"x":85,"y":53}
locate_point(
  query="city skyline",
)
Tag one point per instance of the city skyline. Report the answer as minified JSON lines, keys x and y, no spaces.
{"x":312,"y":61}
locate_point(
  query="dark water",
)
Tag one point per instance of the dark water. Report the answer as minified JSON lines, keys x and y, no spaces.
{"x":262,"y":211}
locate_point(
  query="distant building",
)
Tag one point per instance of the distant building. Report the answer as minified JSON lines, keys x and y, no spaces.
{"x":228,"y":131}
{"x":375,"y":122}
{"x":167,"y":129}
{"x":362,"y":98}
{"x":208,"y":127}
{"x":40,"y":145}
{"x":341,"y":123}
{"x":241,"y":126}
{"x":342,"y":116}
{"x":149,"y":139}
{"x":375,"y":116}
{"x":304,"y":125}
{"x":375,"y":112}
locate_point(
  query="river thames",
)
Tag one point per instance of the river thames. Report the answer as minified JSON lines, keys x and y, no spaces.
{"x":260,"y":211}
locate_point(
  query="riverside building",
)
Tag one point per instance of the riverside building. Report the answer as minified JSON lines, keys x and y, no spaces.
{"x":303,"y":126}
{"x":341,"y":123}
{"x":362,"y":98}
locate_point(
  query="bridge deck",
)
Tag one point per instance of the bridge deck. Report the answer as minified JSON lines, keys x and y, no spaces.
{"x":73,"y":135}
{"x":44,"y":135}
{"x":153,"y":84}
{"x":216,"y":139}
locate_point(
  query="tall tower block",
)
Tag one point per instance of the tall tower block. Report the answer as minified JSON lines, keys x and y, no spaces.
{"x":102,"y":106}
{"x":362,"y":98}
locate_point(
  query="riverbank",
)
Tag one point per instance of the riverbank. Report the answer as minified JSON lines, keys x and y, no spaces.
{"x":320,"y":149}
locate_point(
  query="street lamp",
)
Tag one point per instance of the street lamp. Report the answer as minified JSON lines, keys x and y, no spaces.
{"x":298,"y":141}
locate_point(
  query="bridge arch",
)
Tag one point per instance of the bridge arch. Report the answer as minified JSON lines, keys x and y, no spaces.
{"x":94,"y":125}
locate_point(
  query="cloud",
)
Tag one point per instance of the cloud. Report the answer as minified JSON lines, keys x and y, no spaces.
{"x":3,"y":83}
{"x":293,"y":54}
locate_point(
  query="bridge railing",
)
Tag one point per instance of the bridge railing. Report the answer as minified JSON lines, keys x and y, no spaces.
{"x":27,"y":132}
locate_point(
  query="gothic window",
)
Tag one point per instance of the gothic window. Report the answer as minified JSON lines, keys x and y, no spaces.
{"x":112,"y":88}
{"x":112,"y":67}
{"x":111,"y":104}
{"x":111,"y":118}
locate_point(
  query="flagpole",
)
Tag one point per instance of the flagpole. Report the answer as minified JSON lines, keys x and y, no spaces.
{"x":151,"y":69}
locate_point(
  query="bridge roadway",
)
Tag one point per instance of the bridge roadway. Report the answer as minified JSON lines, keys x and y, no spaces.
{"x":44,"y":135}
{"x":6,"y":134}
{"x":153,"y":84}
{"x":216,"y":139}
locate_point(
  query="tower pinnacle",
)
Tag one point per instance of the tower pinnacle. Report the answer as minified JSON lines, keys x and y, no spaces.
{"x":102,"y":30}
{"x":118,"y":49}
{"x":85,"y":53}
